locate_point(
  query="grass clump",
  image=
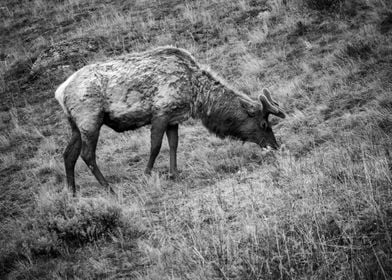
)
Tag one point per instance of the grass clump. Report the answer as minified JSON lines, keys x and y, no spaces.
{"x":59,"y":225}
{"x":78,"y":223}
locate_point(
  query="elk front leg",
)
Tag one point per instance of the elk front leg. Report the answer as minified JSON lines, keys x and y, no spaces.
{"x":172,"y":137}
{"x":158,"y":128}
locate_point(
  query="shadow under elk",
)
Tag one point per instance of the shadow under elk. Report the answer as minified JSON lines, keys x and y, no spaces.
{"x":162,"y":87}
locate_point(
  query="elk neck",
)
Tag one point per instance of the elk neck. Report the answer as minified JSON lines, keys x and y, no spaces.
{"x":217,"y":105}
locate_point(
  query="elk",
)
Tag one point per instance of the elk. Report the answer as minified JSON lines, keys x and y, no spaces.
{"x":162,"y":88}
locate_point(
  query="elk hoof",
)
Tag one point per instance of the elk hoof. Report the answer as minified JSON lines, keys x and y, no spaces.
{"x":173,"y":175}
{"x":147,"y":171}
{"x":111,"y":191}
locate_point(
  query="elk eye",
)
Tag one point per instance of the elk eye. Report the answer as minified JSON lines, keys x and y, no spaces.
{"x":251,"y":113}
{"x":264,"y":124}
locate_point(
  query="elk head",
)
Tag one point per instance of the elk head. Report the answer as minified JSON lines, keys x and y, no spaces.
{"x":257,"y":128}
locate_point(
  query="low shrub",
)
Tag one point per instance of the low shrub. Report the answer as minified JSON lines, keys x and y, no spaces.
{"x":324,"y":5}
{"x":58,"y":224}
{"x":78,"y":222}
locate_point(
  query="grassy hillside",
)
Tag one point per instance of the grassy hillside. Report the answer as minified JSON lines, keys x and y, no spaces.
{"x":319,"y":208}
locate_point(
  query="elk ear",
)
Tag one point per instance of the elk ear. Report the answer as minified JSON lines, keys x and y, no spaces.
{"x":249,"y":107}
{"x":270,"y":105}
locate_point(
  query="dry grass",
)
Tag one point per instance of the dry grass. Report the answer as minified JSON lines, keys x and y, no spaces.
{"x":319,"y":208}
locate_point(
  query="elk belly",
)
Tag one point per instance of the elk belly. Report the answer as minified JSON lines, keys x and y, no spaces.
{"x":124,"y":118}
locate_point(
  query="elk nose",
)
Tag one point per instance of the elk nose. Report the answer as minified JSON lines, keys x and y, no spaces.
{"x":274,"y":147}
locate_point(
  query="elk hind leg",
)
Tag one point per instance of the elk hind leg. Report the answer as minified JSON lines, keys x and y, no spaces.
{"x":71,"y":154}
{"x":89,"y":145}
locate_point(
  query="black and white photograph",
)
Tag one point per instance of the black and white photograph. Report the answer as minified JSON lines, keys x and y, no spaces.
{"x":196,"y":139}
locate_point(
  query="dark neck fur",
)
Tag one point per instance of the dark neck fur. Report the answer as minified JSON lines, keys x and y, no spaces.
{"x":218,"y":106}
